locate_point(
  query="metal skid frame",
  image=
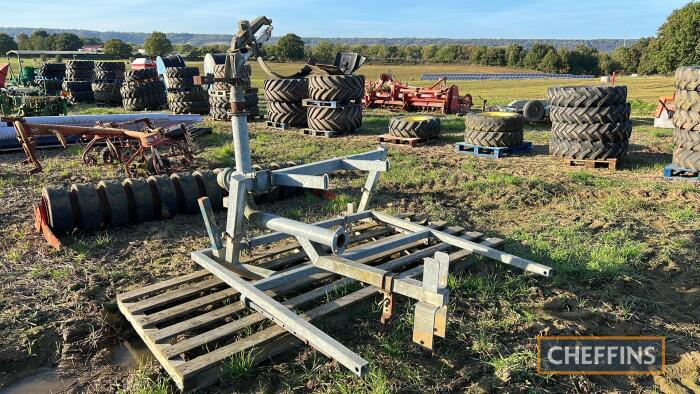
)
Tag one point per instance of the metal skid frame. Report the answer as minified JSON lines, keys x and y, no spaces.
{"x":324,"y":243}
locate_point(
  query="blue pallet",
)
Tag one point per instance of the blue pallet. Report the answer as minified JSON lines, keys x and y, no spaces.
{"x":492,"y":152}
{"x":674,"y":172}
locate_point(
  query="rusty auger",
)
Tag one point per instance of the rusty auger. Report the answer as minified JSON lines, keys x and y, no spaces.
{"x":113,"y":143}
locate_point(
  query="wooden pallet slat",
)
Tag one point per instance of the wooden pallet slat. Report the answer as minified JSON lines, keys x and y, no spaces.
{"x":412,"y":142}
{"x":610,"y":164}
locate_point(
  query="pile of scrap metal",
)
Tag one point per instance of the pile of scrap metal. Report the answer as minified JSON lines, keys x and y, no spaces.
{"x":387,"y":92}
{"x":21,"y":101}
{"x":164,"y":319}
{"x":112,"y":142}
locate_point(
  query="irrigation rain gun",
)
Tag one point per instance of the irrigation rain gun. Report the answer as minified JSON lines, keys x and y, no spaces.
{"x":324,"y":242}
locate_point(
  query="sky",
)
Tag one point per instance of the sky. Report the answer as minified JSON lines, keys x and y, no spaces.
{"x":581,"y":19}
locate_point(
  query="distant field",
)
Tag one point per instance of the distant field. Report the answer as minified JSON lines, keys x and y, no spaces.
{"x":643,"y":91}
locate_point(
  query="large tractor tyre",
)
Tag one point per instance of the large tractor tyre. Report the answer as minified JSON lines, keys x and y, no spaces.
{"x":251,"y":98}
{"x":80,"y":65}
{"x":140,"y":199}
{"x":164,"y":195}
{"x":587,"y":96}
{"x":208,"y":186}
{"x":189,"y":107}
{"x":494,"y":121}
{"x":534,"y":111}
{"x":138,"y":75}
{"x":688,"y":78}
{"x":493,"y":138}
{"x":106,"y":87}
{"x":336,"y":87}
{"x":414,"y":126}
{"x":181,"y":72}
{"x":80,"y":74}
{"x":156,"y":101}
{"x":686,"y":139}
{"x":110,"y":66}
{"x":289,"y":90}
{"x":181,"y":83}
{"x":687,"y":120}
{"x":59,"y":210}
{"x":82,"y":97}
{"x":190,"y":95}
{"x":108,"y":76}
{"x":52,"y":67}
{"x":253,"y":110}
{"x":187,"y":193}
{"x":219,"y":113}
{"x":87,"y":203}
{"x":589,"y":115}
{"x":217,"y":101}
{"x":596,"y":150}
{"x":605,"y":132}
{"x":688,"y":100}
{"x":77,"y":86}
{"x":132,"y":90}
{"x":293,"y":114}
{"x":687,"y":159}
{"x":114,"y":203}
{"x":342,"y":119}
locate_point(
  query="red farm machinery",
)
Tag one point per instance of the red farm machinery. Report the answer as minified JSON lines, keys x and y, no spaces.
{"x":387,"y":92}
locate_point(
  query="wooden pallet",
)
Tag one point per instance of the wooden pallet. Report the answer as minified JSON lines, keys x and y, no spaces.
{"x":277,"y":125}
{"x":194,"y":323}
{"x":328,"y":104}
{"x":412,"y":142}
{"x":492,"y":152}
{"x":323,"y":133}
{"x":610,"y":164}
{"x":673,"y":172}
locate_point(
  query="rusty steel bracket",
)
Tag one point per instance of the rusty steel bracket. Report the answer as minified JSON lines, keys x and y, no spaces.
{"x":41,"y":225}
{"x":388,"y":301}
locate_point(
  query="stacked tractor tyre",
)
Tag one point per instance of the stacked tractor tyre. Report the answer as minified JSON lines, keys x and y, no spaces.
{"x":589,"y":122}
{"x":51,"y":77}
{"x":335,"y":102}
{"x":184,"y":97}
{"x":686,"y":136}
{"x":284,"y":101}
{"x":143,"y":89}
{"x":78,"y":80}
{"x":219,"y":93}
{"x":109,"y":77}
{"x":414,"y":126}
{"x":494,"y":129}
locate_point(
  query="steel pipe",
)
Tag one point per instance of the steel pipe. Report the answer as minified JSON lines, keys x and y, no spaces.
{"x":337,"y":240}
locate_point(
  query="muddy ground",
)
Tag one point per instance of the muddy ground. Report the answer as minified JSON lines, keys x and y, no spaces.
{"x":624,"y":245}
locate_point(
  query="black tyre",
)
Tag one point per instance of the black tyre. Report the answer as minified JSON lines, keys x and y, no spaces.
{"x":606,"y":132}
{"x":688,"y":78}
{"x":114,"y":203}
{"x":686,"y":139}
{"x":344,"y":119}
{"x":688,"y":159}
{"x":180,"y":83}
{"x":587,"y":150}
{"x":140,"y":198}
{"x":181,"y":72}
{"x":219,"y":113}
{"x":142,"y":89}
{"x":79,"y":74}
{"x":80,"y":65}
{"x":208,"y":186}
{"x":189,"y":107}
{"x":294,"y":114}
{"x":187,"y":193}
{"x":687,"y":120}
{"x":587,"y":96}
{"x":494,"y":121}
{"x":493,"y":138}
{"x":164,"y":195}
{"x":217,"y":101}
{"x":88,"y":205}
{"x":251,"y":98}
{"x":533,"y":110}
{"x":110,"y":66}
{"x":77,"y":86}
{"x":588,"y":115}
{"x":191,"y":95}
{"x":688,"y":100}
{"x":136,"y":75}
{"x":59,"y":210}
{"x":289,"y":90}
{"x":156,"y":101}
{"x":336,"y":87}
{"x":414,"y":126}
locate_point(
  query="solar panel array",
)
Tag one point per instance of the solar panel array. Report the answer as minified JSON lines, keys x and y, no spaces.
{"x":476,"y":77}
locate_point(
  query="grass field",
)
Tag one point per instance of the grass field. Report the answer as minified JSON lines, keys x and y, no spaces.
{"x":623,"y":245}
